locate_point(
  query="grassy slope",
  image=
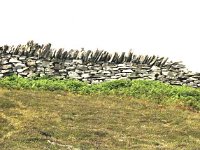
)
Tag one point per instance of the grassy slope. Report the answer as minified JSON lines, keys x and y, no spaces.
{"x":61,"y":120}
{"x":142,"y":89}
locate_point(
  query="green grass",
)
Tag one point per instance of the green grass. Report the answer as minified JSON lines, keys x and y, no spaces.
{"x":39,"y":119}
{"x":142,"y":89}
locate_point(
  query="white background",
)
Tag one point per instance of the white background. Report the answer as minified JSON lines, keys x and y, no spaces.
{"x":169,"y":28}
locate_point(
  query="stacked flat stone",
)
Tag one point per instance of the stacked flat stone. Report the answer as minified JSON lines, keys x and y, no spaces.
{"x":96,"y":66}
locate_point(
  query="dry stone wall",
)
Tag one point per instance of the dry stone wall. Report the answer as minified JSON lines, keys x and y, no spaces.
{"x":97,"y":66}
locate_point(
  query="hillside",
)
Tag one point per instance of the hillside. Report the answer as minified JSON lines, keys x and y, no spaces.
{"x":60,"y":120}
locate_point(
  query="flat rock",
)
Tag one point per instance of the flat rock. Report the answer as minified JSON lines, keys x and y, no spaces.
{"x":14,"y":60}
{"x":7,"y":66}
{"x":6,"y":71}
{"x":127,"y":71}
{"x":72,"y":74}
{"x":85,"y":75}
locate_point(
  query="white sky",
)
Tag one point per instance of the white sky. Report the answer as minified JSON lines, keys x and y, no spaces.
{"x":169,"y":28}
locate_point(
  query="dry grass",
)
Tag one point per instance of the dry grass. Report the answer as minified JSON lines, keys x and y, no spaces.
{"x":59,"y":120}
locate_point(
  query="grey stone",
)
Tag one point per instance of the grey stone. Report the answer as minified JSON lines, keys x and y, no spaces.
{"x":22,"y":58}
{"x":70,"y":68}
{"x":19,"y":66}
{"x":121,"y":57}
{"x":176,"y":83}
{"x":14,"y":60}
{"x":95,"y":81}
{"x":82,"y":67}
{"x":93,"y":72}
{"x":121,"y":65}
{"x":153,"y":60}
{"x":72,"y":74}
{"x":78,"y":61}
{"x":115,"y":77}
{"x":38,"y":61}
{"x":85,"y":75}
{"x":155,"y":68}
{"x":23,"y":73}
{"x":192,"y":79}
{"x":115,"y":69}
{"x":4,"y":62}
{"x":47,"y":64}
{"x":114,"y":58}
{"x":31,"y":62}
{"x":127,"y":71}
{"x":6,"y":71}
{"x":106,"y":72}
{"x":78,"y":71}
{"x":1,"y":75}
{"x":22,"y":70}
{"x":61,"y":70}
{"x":8,"y":66}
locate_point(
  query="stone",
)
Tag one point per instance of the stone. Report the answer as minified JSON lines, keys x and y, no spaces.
{"x":155,"y":68}
{"x":31,"y":63}
{"x":109,"y":79}
{"x":115,"y":69}
{"x":141,"y":59}
{"x":47,"y":64}
{"x":176,"y":83}
{"x":78,"y":71}
{"x":4,"y":62}
{"x":123,"y":68}
{"x":93,"y":72}
{"x":115,"y":77}
{"x":19,"y":66}
{"x":60,"y":71}
{"x":22,"y":70}
{"x":106,"y":72}
{"x":82,"y":67}
{"x":70,"y":68}
{"x":95,"y":81}
{"x":78,"y":61}
{"x":192,"y":79}
{"x":152,"y":61}
{"x":51,"y":70}
{"x":128,"y":56}
{"x":23,"y":73}
{"x":165,"y":72}
{"x":38,"y":61}
{"x":58,"y":54}
{"x":7,"y":66}
{"x":14,"y":60}
{"x":67,"y":64}
{"x":127,"y":71}
{"x":6,"y":71}
{"x":72,"y":74}
{"x":143,"y":67}
{"x":22,"y":58}
{"x":121,"y":57}
{"x":171,"y":74}
{"x":121,"y":65}
{"x":114,"y":58}
{"x":164,"y":61}
{"x":56,"y":66}
{"x":85,"y":75}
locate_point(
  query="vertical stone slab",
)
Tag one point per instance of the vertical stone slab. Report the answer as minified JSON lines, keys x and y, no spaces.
{"x":121,"y":57}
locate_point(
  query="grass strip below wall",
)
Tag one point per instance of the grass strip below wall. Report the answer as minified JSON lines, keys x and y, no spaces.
{"x":142,"y":89}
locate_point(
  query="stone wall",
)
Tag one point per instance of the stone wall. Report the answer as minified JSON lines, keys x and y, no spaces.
{"x":97,"y":66}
